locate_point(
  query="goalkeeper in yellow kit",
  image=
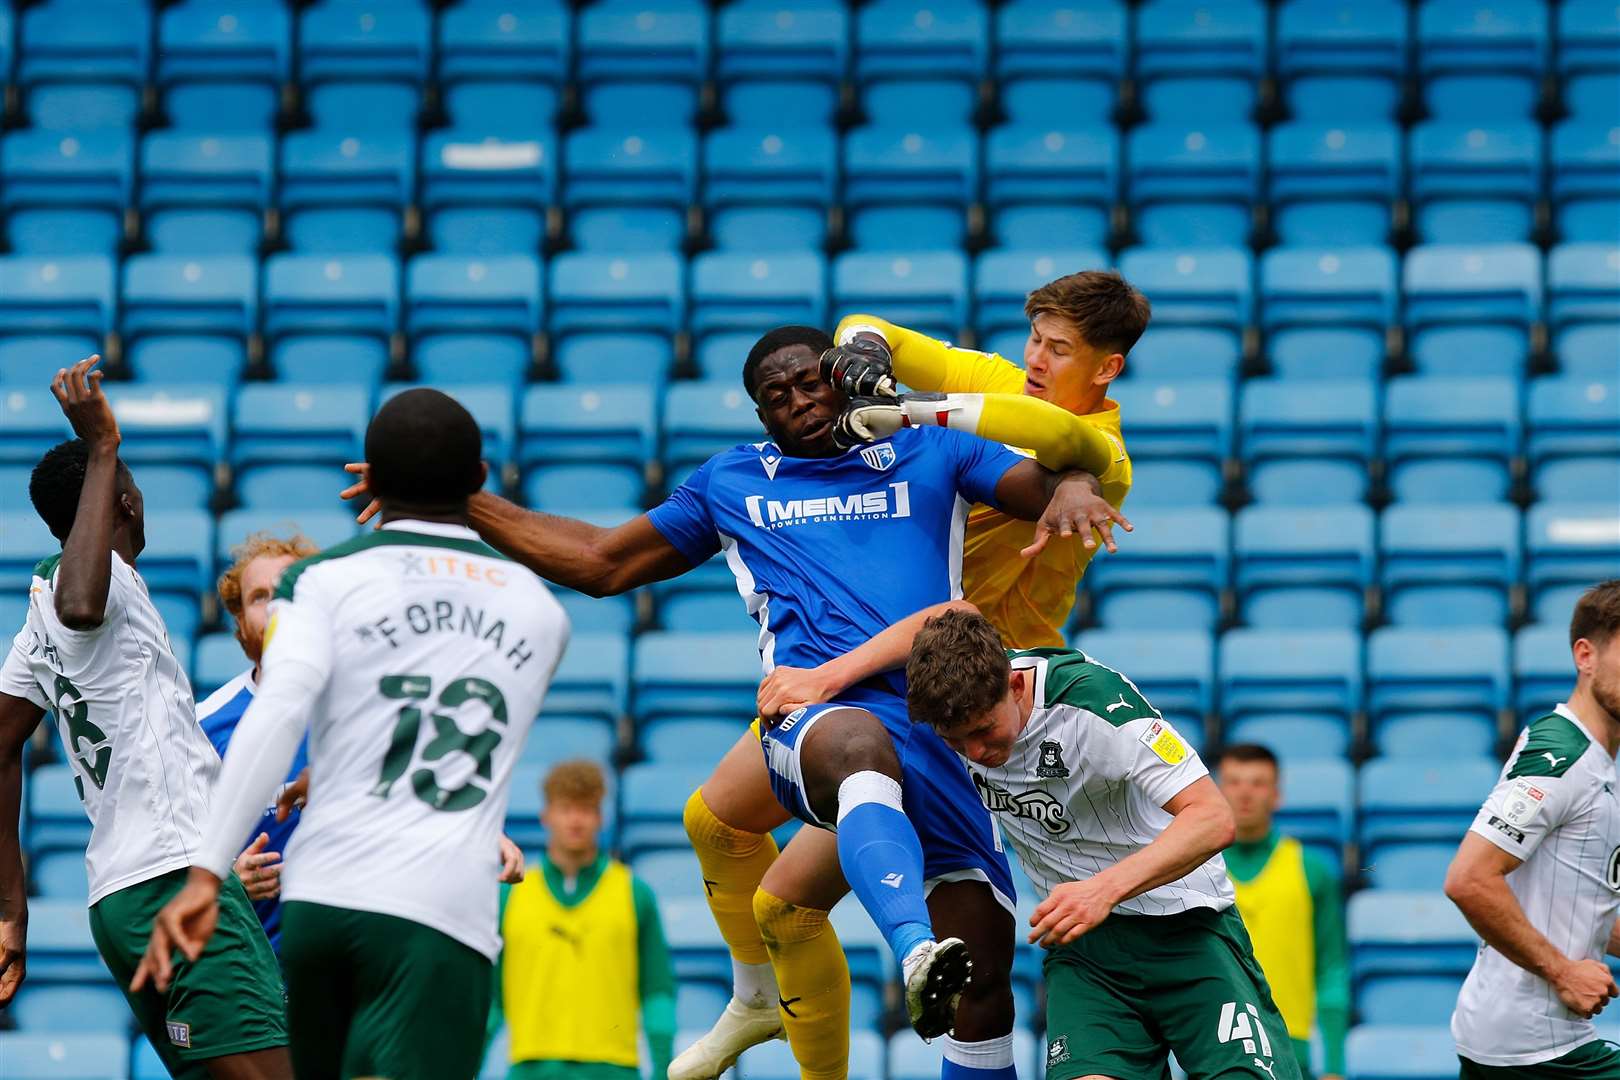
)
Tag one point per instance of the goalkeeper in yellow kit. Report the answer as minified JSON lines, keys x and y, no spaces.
{"x":789,"y":969}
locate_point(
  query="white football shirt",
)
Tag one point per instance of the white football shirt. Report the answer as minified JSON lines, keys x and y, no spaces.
{"x":1555,"y":808}
{"x":128,"y":724}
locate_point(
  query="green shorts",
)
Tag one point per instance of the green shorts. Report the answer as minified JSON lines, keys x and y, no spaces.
{"x":229,"y":1002}
{"x":377,"y":995}
{"x":1596,"y":1060}
{"x":1139,"y":986}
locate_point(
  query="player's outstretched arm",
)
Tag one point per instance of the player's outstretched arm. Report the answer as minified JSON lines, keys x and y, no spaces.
{"x":86,"y":569}
{"x":1061,"y":504}
{"x":18,"y":718}
{"x":1477,"y":883}
{"x":925,"y":363}
{"x":582,"y":556}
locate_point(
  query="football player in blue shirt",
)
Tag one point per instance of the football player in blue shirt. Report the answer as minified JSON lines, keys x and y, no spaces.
{"x":830,"y":547}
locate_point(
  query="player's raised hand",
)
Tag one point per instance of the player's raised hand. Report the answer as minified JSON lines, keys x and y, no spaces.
{"x":185,"y":923}
{"x":867,"y":419}
{"x":260,"y":870}
{"x":861,"y":367}
{"x":786,"y":689}
{"x":1585,"y":987}
{"x":13,"y":952}
{"x":361,"y":488}
{"x":78,"y":390}
{"x":1068,"y":911}
{"x":511,"y":862}
{"x":1077,"y":508}
{"x":293,"y":796}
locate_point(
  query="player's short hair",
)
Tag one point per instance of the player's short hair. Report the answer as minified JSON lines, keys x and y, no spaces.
{"x":957,"y":671}
{"x":578,"y":781}
{"x":780,"y":338}
{"x":425,"y":450}
{"x":1597,"y":614}
{"x":1248,"y":752}
{"x":259,"y":545}
{"x":57,"y":481}
{"x":1109,"y":311}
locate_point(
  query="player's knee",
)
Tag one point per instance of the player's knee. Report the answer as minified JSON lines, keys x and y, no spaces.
{"x":705,"y":830}
{"x":782,"y":923}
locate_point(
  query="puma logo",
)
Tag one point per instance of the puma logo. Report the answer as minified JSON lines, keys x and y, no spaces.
{"x":1266,"y":1067}
{"x":1120,"y":704}
{"x":786,"y":1004}
{"x":1552,"y":761}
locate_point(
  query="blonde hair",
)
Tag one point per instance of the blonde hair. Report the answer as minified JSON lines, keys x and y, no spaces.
{"x":259,"y":545}
{"x":578,"y":781}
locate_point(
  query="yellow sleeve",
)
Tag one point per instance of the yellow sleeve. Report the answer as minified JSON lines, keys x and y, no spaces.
{"x":1058,"y":438}
{"x":923,"y":363}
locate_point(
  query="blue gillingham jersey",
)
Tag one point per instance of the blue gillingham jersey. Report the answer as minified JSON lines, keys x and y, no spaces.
{"x":828,"y":552}
{"x":218,"y":715}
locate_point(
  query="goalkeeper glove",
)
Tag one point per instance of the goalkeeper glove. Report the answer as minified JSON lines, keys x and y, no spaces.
{"x":862,"y":367}
{"x":867,"y":419}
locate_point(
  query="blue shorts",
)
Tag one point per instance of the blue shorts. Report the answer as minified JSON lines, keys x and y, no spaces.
{"x":960,"y":841}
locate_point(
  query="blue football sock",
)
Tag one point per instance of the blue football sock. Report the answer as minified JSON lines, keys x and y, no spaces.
{"x":882,"y":860}
{"x":991,"y":1059}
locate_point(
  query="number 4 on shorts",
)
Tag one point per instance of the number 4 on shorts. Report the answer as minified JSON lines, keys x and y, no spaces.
{"x":1243,"y":1024}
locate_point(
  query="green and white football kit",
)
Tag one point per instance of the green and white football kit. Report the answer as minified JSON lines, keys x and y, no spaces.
{"x":420,"y":657}
{"x":145,"y":773}
{"x":1170,"y":969}
{"x":1554,"y":807}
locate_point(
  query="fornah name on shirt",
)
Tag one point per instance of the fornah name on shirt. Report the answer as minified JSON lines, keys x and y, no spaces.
{"x":447,"y":617}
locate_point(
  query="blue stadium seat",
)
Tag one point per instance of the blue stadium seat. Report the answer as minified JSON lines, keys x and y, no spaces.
{"x":1475,"y":184}
{"x":1308,"y":443}
{"x":291,"y":441}
{"x":696,"y":1003}
{"x":1571,"y":437}
{"x":60,"y":875}
{"x":1060,"y":66}
{"x":1179,"y":434}
{"x":362,"y":65}
{"x":27,"y":542}
{"x":1543,"y":671}
{"x":1570,"y":545}
{"x":614,"y":318}
{"x":217,"y":659}
{"x":736,"y":296}
{"x":179,"y":553}
{"x":205,"y":194}
{"x":82,"y":65}
{"x":777,"y":63}
{"x":923,"y":290}
{"x":774,"y":1060}
{"x":696,"y":947}
{"x":1333,"y":184}
{"x":1584,"y":181}
{"x":221,"y":67}
{"x":59,"y":1010}
{"x":7,"y":25}
{"x":1343,"y":61}
{"x":1422,"y":804}
{"x":1171,"y":577}
{"x":188,"y":318}
{"x":1003,"y":279}
{"x":171,"y":431}
{"x":712,"y":676}
{"x":146,"y":1065}
{"x":628,"y":190}
{"x":501,"y":66}
{"x":703,"y":418}
{"x":1303,"y":571}
{"x":319,"y":522}
{"x":1469,"y":309}
{"x":1401,"y":1052}
{"x":1409,"y":953}
{"x":1175,"y":670}
{"x":1479,"y":61}
{"x":50,"y":1056}
{"x":1583,"y":308}
{"x":1453,"y":680}
{"x":1193,"y":186}
{"x":1203,"y":299}
{"x":344,"y":192}
{"x":916,"y":60}
{"x":599,"y":615}
{"x":672,"y":875}
{"x":1448,"y":566}
{"x":1196,"y":59}
{"x":488,"y":195}
{"x":56,"y":821}
{"x":1050,"y":187}
{"x":65,"y":193}
{"x":906,"y":188}
{"x":769,"y":188}
{"x":1294,"y":690}
{"x":694,"y":740}
{"x":1325,"y":310}
{"x":654,"y":797}
{"x":329,"y":318}
{"x":1588,"y":64}
{"x":53,"y":312}
{"x":60,"y":948}
{"x":587,"y":445}
{"x":592,"y":682}
{"x":472,"y":319}
{"x":1450,"y":440}
{"x":641,"y":62}
{"x":563,"y":739}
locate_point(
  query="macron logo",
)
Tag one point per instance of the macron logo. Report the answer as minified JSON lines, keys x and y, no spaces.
{"x":892,"y":880}
{"x":892,"y":502}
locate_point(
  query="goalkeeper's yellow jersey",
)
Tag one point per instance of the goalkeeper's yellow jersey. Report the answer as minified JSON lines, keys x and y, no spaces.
{"x":1028,"y":600}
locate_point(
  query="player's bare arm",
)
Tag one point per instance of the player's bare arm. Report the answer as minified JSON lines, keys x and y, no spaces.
{"x":1477,"y":883}
{"x":86,"y":567}
{"x":18,"y":719}
{"x":1201,"y":825}
{"x":1059,"y":503}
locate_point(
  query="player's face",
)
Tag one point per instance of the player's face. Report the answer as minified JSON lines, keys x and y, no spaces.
{"x":572,"y":826}
{"x":1251,"y":787}
{"x":1059,"y":366}
{"x":796,"y":405}
{"x":988,"y":740}
{"x":1605,"y":662}
{"x":259,"y":579}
